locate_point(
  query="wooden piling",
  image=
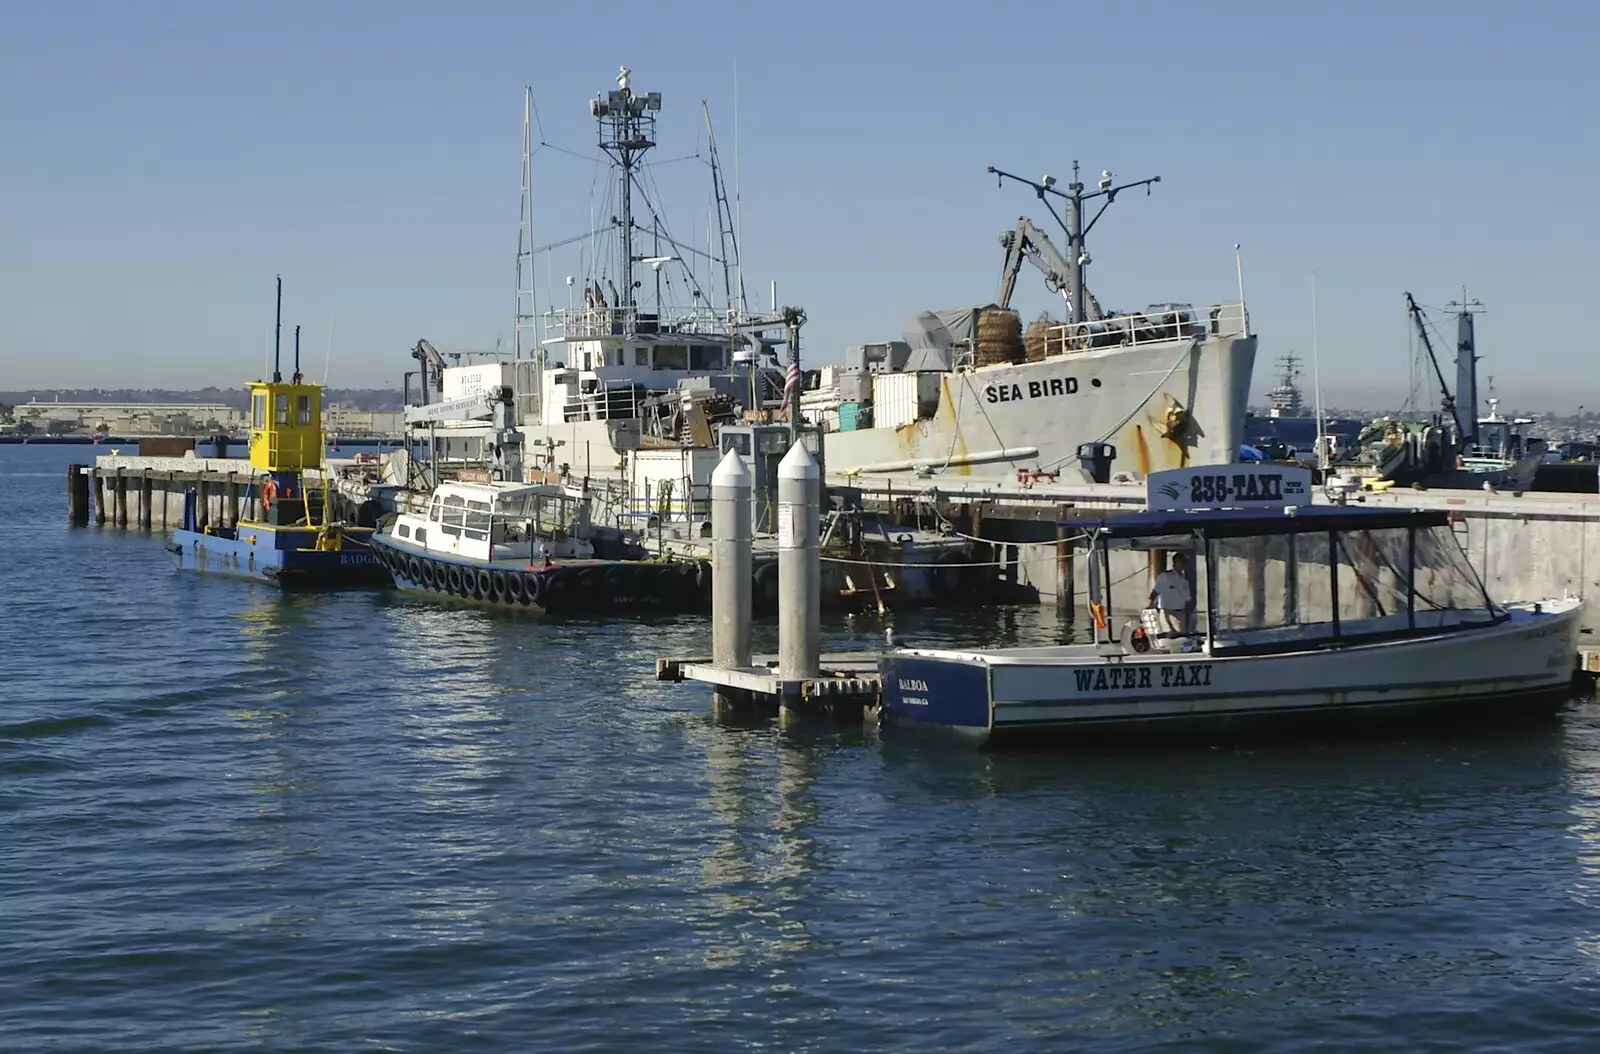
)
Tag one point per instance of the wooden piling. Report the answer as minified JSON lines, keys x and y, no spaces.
{"x":78,"y":495}
{"x":120,"y":513}
{"x":202,"y":503}
{"x":146,"y":497}
{"x":1065,"y":586}
{"x":99,"y":498}
{"x":233,"y":502}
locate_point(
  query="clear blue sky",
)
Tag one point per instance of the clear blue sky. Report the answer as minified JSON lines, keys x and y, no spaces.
{"x":160,"y":162}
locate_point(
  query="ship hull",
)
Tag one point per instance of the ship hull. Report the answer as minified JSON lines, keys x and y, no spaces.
{"x":1161,"y":406}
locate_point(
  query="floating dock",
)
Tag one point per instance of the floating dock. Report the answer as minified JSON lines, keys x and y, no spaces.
{"x":846,"y":685}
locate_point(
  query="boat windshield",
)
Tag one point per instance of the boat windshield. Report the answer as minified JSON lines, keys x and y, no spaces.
{"x":546,"y":512}
{"x":1274,"y":590}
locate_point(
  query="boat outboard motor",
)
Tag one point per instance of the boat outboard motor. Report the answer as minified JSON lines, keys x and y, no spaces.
{"x":1095,"y":461}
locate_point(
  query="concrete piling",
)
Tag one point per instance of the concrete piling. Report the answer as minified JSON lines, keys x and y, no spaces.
{"x":78,"y":495}
{"x":799,"y":565}
{"x":731,"y":542}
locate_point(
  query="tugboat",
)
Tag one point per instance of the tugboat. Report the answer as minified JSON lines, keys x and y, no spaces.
{"x":294,"y":542}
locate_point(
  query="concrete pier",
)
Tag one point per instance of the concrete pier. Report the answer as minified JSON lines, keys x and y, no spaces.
{"x":146,"y":493}
{"x":1531,"y":546}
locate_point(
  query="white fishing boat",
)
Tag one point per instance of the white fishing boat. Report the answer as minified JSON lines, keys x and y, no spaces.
{"x":1302,"y":614}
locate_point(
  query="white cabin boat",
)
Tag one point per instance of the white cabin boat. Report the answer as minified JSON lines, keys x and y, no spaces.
{"x":527,"y":546}
{"x":1304,"y":614}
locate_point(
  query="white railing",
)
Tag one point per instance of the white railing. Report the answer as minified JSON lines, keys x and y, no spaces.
{"x":587,"y":323}
{"x":1160,"y":324}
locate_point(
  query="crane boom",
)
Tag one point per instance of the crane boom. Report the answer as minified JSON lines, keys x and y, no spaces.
{"x":475,"y":407}
{"x":1029,"y":242}
{"x":1447,"y":401}
{"x":432,"y":368}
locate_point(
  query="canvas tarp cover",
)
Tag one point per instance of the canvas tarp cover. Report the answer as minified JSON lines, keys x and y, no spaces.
{"x":931,"y":334}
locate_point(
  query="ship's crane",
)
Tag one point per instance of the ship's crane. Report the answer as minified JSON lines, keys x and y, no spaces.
{"x":1030,"y":243}
{"x":1447,"y":401}
{"x":496,"y":403}
{"x":432,"y":364}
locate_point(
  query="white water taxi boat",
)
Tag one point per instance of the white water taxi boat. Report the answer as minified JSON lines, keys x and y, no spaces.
{"x":1304,"y":614}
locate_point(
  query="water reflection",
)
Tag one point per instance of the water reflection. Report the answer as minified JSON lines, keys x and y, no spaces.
{"x":1583,"y":784}
{"x":762,"y":853}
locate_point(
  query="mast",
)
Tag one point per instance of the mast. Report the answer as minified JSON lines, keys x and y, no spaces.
{"x":1076,"y":229}
{"x":1467,"y":366}
{"x":627,"y":132}
{"x":277,"y":336}
{"x":727,"y":231}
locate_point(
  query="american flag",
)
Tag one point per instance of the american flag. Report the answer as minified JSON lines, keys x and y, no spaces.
{"x":792,"y":382}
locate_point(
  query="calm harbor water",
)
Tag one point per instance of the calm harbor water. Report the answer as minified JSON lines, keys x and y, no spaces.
{"x":234,"y":819}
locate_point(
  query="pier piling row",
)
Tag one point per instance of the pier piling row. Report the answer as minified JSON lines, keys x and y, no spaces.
{"x":146,"y":493}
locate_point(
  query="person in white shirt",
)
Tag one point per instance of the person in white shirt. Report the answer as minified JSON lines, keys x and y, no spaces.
{"x":1172,"y":596}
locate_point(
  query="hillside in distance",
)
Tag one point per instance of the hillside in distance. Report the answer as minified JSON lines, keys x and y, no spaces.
{"x":238,"y":398}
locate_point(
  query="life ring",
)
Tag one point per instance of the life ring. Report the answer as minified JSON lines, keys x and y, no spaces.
{"x":269,"y":494}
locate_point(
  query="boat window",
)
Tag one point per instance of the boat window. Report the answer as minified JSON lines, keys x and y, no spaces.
{"x":739,"y":441}
{"x":1449,"y":592}
{"x":705,"y":357}
{"x":258,"y":411}
{"x":641,"y":356}
{"x":282,"y":412}
{"x":477,"y":516}
{"x":1255,"y":583}
{"x":434,"y":510}
{"x":1374,"y":580}
{"x":671,"y":357}
{"x":302,"y":409}
{"x":403,"y":531}
{"x":775,"y":441}
{"x":455,"y":510}
{"x":422,"y":536}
